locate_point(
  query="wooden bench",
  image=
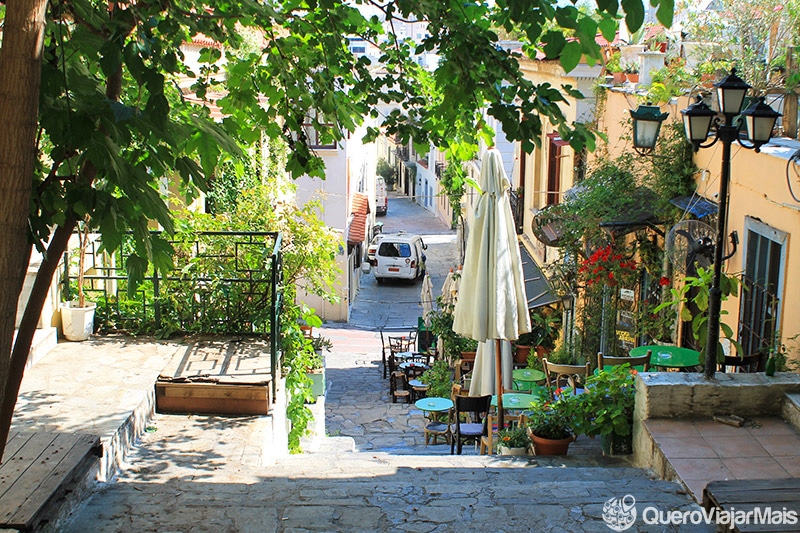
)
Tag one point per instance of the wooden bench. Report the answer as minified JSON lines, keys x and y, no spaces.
{"x":748,"y":494}
{"x":229,"y":395}
{"x":38,"y":471}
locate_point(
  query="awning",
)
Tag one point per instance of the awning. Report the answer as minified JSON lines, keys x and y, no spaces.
{"x":696,"y":205}
{"x":357,"y":229}
{"x":537,"y":288}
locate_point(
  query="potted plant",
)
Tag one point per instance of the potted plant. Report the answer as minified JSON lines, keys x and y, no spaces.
{"x":454,"y":346}
{"x":614,"y":68}
{"x":513,"y":441}
{"x":550,"y":424}
{"x":631,"y":72}
{"x":606,"y":408}
{"x":77,"y":317}
{"x":439,"y":379}
{"x":545,"y":330}
{"x":315,"y":367}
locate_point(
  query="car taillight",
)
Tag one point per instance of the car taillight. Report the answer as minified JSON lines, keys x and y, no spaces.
{"x":414,"y":264}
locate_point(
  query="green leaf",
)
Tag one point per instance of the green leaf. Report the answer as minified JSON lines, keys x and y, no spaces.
{"x":571,"y":56}
{"x":634,"y":14}
{"x":608,"y":28}
{"x":665,"y":11}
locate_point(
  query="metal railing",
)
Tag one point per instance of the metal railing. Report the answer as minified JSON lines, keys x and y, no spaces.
{"x":221,"y":282}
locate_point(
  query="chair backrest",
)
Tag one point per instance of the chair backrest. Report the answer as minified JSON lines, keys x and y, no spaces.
{"x":748,"y":363}
{"x":455,"y":390}
{"x":560,"y":376}
{"x":396,"y":344}
{"x":474,"y":407}
{"x":640,"y":363}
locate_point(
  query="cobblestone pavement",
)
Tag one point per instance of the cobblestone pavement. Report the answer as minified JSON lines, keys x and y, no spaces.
{"x":372,"y":473}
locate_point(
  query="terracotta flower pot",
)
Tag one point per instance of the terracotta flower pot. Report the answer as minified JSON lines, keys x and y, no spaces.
{"x":521,"y":354}
{"x":544,"y":446}
{"x":467,"y":356}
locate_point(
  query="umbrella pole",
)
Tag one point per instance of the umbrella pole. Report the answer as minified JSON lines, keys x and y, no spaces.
{"x":499,"y":371}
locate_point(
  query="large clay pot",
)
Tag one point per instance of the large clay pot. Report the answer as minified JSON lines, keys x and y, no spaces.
{"x":467,"y":356}
{"x":544,"y":446}
{"x":521,"y":354}
{"x":542,"y":352}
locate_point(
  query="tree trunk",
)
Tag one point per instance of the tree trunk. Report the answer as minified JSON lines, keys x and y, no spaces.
{"x":20,"y":64}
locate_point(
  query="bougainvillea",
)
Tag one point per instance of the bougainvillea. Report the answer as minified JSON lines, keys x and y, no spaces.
{"x":606,"y":266}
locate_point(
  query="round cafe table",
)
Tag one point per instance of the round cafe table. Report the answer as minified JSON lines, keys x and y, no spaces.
{"x":528,"y":377}
{"x":434,"y":404}
{"x":514,"y":401}
{"x":669,"y":356}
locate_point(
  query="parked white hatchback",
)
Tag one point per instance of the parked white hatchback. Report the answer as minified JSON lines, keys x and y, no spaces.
{"x":399,"y":256}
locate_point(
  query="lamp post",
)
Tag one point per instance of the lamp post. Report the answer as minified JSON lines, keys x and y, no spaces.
{"x":698,"y":118}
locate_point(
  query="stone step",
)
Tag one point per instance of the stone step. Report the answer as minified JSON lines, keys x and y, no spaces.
{"x":790,"y":410}
{"x":44,"y":340}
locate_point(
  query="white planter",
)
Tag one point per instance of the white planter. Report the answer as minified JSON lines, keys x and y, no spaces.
{"x":502,"y":450}
{"x":77,"y":323}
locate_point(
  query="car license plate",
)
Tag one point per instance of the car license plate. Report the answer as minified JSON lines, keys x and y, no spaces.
{"x":394,"y":269}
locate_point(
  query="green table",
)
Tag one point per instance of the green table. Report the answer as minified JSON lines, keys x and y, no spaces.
{"x":513,"y":400}
{"x":669,"y":356}
{"x":526,"y":376}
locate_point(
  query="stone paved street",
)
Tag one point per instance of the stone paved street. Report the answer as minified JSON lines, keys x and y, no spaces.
{"x":373,"y":473}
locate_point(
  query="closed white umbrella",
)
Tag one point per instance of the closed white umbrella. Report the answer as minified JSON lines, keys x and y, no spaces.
{"x":426,"y":298}
{"x":448,"y":281}
{"x":491,"y":301}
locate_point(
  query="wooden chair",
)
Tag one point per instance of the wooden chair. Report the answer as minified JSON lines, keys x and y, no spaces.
{"x":747,"y":364}
{"x":398,"y":387}
{"x":456,"y":389}
{"x":436,"y":428}
{"x":469,"y":416}
{"x":490,"y":439}
{"x":641,"y":363}
{"x":561,"y":376}
{"x":384,"y":350}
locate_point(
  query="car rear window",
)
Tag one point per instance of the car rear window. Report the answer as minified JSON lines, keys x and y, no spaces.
{"x":395,"y":249}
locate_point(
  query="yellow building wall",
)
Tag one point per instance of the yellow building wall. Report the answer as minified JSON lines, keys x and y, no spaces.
{"x":758,"y":189}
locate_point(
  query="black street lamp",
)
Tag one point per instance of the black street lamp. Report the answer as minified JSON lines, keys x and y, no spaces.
{"x":698,"y":118}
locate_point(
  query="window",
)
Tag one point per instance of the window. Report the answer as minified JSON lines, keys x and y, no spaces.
{"x":762,"y":283}
{"x":395,"y":249}
{"x":319,"y":134}
{"x":554,"y":155}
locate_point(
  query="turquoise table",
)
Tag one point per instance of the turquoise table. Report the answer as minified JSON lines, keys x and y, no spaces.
{"x":434,"y":404}
{"x":669,"y":356}
{"x":526,"y":376}
{"x":512,"y":400}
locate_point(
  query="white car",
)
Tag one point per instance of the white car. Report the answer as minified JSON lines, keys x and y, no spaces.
{"x":373,"y":247}
{"x":399,"y":256}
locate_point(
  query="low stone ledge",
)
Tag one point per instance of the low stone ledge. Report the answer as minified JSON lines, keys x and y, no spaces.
{"x":690,"y":395}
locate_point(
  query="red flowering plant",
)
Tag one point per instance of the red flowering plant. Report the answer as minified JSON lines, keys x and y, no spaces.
{"x":606,"y":266}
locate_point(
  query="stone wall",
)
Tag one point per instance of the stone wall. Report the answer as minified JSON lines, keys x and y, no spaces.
{"x":689,"y":395}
